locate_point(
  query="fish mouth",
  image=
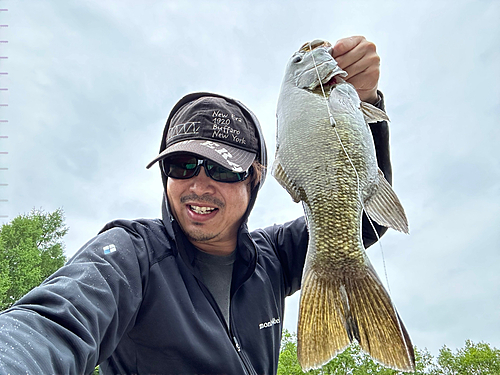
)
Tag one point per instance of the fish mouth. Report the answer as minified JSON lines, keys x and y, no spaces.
{"x":323,"y":72}
{"x":328,"y":82}
{"x":337,"y":76}
{"x":324,"y":76}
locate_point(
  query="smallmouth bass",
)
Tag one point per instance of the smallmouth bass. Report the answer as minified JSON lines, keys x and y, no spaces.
{"x":325,"y":158}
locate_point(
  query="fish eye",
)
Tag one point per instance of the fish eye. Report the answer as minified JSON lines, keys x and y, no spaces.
{"x":297,"y":58}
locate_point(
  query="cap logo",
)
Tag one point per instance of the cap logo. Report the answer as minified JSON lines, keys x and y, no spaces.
{"x":224,"y":153}
{"x":188,"y":128}
{"x":222,"y":129}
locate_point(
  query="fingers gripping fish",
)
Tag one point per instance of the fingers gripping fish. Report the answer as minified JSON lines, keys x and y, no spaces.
{"x":325,"y":158}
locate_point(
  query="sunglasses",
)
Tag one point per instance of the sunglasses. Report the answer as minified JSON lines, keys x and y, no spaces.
{"x":188,"y":166}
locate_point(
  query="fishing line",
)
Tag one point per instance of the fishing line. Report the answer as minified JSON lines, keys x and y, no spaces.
{"x":332,"y":122}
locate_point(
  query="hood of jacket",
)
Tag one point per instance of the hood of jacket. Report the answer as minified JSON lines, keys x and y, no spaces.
{"x":261,"y":157}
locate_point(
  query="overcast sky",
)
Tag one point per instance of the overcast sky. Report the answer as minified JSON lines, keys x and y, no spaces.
{"x":90,"y":84}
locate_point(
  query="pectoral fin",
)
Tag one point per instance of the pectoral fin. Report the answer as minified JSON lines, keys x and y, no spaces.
{"x":280,"y":175}
{"x":372,"y":113}
{"x":383,"y":206}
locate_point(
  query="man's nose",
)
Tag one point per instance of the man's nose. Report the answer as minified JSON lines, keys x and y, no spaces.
{"x":202,"y":184}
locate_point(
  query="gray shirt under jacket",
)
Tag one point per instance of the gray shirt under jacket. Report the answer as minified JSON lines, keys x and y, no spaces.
{"x":216,"y":272}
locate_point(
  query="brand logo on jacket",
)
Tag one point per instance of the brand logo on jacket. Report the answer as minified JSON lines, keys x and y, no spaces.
{"x":109,"y":249}
{"x":270,"y":323}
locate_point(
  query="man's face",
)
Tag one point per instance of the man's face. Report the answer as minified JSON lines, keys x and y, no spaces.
{"x":209,"y":211}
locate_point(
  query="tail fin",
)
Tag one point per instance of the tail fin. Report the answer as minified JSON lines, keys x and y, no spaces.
{"x":334,"y":311}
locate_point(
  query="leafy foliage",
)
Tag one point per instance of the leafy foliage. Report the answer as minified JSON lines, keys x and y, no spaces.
{"x":31,"y":249}
{"x":474,"y":359}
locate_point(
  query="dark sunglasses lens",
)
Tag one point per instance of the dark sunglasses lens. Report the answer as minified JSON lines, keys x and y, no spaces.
{"x":180,"y":166}
{"x":222,"y":174}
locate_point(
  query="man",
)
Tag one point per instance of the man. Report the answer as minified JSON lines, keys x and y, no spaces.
{"x":195,"y":292}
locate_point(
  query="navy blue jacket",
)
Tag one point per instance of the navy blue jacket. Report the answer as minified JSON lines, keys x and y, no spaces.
{"x":132,"y":298}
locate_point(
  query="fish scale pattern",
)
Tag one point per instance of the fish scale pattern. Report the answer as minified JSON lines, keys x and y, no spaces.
{"x":330,"y":192}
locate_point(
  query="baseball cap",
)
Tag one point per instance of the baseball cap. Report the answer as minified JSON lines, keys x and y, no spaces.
{"x":213,"y":128}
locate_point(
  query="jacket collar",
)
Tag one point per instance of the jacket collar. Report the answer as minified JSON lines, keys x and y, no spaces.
{"x":246,"y":253}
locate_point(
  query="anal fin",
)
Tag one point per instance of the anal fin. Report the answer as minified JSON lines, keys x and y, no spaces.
{"x":384,"y":207}
{"x":372,"y":113}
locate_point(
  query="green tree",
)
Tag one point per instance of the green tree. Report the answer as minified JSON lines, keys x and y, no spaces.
{"x":31,"y":249}
{"x":473,"y":359}
{"x":288,"y":363}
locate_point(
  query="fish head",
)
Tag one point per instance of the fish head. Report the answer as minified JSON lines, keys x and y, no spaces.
{"x":313,"y":66}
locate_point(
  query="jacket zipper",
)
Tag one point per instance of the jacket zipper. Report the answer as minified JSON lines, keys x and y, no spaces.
{"x":248,"y":367}
{"x":246,"y":364}
{"x":238,"y":347}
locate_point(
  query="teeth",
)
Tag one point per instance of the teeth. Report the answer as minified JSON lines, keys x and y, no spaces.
{"x":202,"y":210}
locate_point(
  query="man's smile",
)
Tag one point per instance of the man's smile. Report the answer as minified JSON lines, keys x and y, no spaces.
{"x":202,"y":210}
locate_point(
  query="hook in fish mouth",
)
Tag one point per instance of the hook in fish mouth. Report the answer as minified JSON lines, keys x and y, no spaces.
{"x":336,"y":79}
{"x":325,"y":73}
{"x":325,"y":79}
{"x":329,"y":81}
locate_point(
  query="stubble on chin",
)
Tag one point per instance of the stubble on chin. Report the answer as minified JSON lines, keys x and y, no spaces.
{"x":199,"y":235}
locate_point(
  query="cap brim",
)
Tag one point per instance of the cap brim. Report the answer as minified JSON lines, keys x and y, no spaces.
{"x":235,"y":159}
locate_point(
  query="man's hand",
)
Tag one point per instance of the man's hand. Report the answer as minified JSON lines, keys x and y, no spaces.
{"x":358,"y":57}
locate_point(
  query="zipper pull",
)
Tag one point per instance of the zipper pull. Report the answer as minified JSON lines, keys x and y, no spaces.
{"x":238,"y":347}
